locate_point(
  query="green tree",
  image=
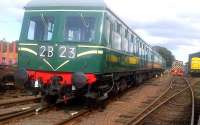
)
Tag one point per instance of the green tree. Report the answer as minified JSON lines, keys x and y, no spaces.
{"x":166,"y":54}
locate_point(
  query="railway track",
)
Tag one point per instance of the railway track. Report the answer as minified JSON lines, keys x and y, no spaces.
{"x":175,"y":89}
{"x":17,"y":101}
{"x":62,"y":116}
{"x":26,"y":112}
{"x":50,"y":115}
{"x":9,"y":109}
{"x":72,"y":117}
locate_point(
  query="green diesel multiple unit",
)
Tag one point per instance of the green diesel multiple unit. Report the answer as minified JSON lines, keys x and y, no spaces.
{"x":70,"y":46}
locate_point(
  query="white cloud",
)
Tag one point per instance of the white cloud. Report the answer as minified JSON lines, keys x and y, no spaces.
{"x":180,"y":34}
{"x":178,"y":30}
{"x":182,"y":52}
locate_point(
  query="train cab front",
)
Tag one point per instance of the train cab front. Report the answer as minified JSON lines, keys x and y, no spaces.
{"x":59,"y":51}
{"x":54,"y":85}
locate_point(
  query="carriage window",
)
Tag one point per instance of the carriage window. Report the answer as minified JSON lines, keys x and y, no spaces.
{"x":116,"y":41}
{"x":41,"y":28}
{"x":140,"y":45}
{"x":126,"y":33}
{"x":80,"y":28}
{"x":134,"y":44}
{"x":130,"y":47}
{"x":118,"y":28}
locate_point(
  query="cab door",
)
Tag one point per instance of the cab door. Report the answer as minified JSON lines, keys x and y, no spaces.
{"x":108,"y":29}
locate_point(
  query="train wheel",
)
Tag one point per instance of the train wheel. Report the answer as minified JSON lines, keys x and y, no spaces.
{"x":123,"y":85}
{"x":51,"y":99}
{"x":138,"y":79}
{"x":115,"y":89}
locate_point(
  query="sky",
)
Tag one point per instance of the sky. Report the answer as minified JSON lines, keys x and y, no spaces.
{"x":174,"y":24}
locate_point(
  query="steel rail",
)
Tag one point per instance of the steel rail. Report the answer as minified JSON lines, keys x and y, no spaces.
{"x":24,"y":112}
{"x":11,"y":115}
{"x":12,"y":102}
{"x":79,"y":114}
{"x":152,"y":103}
{"x":193,"y":102}
{"x":136,"y":120}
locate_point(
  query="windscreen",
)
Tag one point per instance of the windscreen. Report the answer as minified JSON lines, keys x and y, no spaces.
{"x":80,"y":28}
{"x":41,"y":28}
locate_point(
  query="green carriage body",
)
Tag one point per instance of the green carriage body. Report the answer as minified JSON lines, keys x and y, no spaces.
{"x":97,"y":56}
{"x":81,"y":43}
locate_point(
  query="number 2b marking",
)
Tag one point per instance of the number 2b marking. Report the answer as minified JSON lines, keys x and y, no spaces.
{"x":42,"y":51}
{"x":46,"y":51}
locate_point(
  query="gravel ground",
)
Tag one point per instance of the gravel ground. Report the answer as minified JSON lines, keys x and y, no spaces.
{"x":17,"y":108}
{"x":131,"y":102}
{"x":12,"y":94}
{"x":3,"y":101}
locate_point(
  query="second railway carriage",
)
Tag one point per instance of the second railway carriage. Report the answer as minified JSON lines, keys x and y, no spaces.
{"x":194,"y":63}
{"x":70,"y":48}
{"x":177,"y":68}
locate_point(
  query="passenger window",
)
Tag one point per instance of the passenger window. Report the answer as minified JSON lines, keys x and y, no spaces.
{"x":124,"y":41}
{"x":134,"y":43}
{"x":125,"y":45}
{"x":137,"y":46}
{"x":140,"y":45}
{"x":116,"y":37}
{"x":131,"y":45}
{"x":116,"y":41}
{"x":41,"y":28}
{"x":126,"y":33}
{"x":118,"y":28}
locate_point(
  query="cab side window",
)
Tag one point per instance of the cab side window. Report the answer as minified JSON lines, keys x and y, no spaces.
{"x":108,"y":31}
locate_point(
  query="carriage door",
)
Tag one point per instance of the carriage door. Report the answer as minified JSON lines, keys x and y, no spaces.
{"x":108,"y":37}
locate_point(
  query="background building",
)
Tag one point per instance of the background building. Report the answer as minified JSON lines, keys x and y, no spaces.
{"x":8,"y":53}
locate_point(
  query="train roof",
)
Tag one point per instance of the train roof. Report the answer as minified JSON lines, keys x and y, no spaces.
{"x":98,"y":4}
{"x":195,"y":54}
{"x":66,"y":3}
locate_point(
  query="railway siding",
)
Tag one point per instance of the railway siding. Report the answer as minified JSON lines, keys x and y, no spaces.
{"x":131,"y":103}
{"x":120,"y":110}
{"x":197,"y":101}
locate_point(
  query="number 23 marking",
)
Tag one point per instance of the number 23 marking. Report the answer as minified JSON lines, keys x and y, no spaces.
{"x":63,"y":51}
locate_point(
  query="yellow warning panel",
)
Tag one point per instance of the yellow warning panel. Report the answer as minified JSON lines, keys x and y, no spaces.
{"x":113,"y":58}
{"x":133,"y":60}
{"x":195,"y":63}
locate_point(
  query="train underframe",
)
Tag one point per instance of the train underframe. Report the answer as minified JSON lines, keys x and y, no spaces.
{"x":95,"y":87}
{"x":7,"y":81}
